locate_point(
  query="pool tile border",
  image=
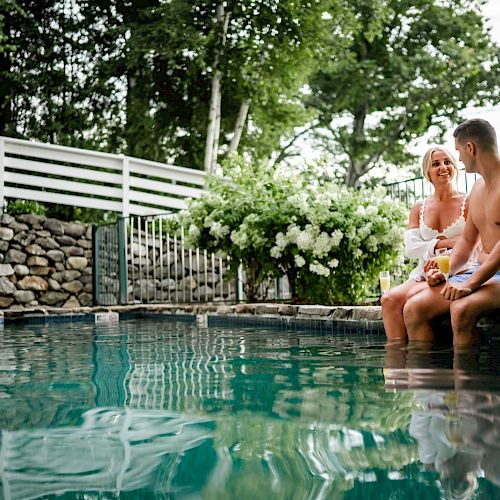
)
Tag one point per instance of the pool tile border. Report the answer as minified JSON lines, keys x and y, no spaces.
{"x":324,"y":319}
{"x":293,"y":324}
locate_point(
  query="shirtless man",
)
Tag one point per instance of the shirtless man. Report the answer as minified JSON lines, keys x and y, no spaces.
{"x":467,"y":296}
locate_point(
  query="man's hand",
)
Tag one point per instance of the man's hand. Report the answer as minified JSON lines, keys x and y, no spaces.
{"x":454,"y":291}
{"x":434,"y":277}
{"x":430,"y":264}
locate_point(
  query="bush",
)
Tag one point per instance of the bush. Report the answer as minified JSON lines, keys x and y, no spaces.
{"x":17,"y":207}
{"x":330,"y":240}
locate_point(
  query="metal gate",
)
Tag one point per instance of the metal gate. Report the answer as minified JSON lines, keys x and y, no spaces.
{"x":136,"y":261}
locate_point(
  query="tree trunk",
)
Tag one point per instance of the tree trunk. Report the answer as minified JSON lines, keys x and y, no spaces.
{"x":215,"y":149}
{"x":291,"y":274}
{"x":240,"y":125}
{"x":253,"y":280}
{"x":131,"y":117}
{"x":214,"y":113}
{"x":352,"y":175}
{"x":212,"y":117}
{"x":356,"y":167}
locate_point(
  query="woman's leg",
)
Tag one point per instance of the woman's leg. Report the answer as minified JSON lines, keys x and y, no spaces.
{"x":392,"y":308}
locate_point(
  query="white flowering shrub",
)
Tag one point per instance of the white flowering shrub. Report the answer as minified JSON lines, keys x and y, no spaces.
{"x":330,"y":240}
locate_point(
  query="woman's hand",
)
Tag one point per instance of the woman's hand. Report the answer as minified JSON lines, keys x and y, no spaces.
{"x":434,"y":277}
{"x":430,"y":264}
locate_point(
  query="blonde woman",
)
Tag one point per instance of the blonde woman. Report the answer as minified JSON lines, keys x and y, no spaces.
{"x":436,"y":222}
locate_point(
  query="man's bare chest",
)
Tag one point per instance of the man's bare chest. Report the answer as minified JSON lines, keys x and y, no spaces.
{"x":485,"y":213}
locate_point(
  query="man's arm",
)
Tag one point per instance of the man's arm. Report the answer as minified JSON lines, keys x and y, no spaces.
{"x":464,"y":247}
{"x":462,"y":250}
{"x":488,"y":268}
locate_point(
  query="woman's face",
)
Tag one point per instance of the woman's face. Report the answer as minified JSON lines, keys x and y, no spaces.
{"x":441,"y":170}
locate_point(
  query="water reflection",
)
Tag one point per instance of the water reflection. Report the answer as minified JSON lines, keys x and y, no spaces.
{"x":112,"y":450}
{"x":456,"y":419}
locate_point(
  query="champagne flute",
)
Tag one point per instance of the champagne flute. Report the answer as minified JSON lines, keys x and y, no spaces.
{"x":443,"y":261}
{"x":385,"y":281}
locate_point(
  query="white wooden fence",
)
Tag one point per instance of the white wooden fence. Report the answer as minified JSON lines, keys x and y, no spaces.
{"x":91,"y":179}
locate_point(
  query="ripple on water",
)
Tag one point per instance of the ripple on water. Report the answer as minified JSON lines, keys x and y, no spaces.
{"x":166,"y":408}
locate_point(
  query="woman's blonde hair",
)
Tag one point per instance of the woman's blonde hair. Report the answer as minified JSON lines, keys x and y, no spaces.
{"x":427,"y":161}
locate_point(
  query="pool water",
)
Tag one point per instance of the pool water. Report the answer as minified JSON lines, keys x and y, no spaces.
{"x":164,"y":409}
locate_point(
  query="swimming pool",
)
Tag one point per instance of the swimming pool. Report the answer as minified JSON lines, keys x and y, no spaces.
{"x":166,"y":409}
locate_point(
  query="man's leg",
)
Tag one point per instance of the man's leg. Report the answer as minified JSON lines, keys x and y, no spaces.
{"x":421,"y":309}
{"x":465,"y":312}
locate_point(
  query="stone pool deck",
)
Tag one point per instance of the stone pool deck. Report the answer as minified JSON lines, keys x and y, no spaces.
{"x":366,"y":319}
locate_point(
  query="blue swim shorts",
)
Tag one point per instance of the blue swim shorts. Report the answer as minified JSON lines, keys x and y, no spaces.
{"x":460,"y":278}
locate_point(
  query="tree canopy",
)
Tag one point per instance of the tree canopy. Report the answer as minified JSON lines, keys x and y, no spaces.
{"x":410,"y":64}
{"x":358,"y":79}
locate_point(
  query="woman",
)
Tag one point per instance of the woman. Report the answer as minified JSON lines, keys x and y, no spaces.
{"x":436,"y":222}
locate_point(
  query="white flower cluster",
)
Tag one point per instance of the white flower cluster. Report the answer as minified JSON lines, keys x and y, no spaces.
{"x":317,"y":268}
{"x":299,"y":261}
{"x":218,"y":230}
{"x":309,"y":241}
{"x":240,"y":238}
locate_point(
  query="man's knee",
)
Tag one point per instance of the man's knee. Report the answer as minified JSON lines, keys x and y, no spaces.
{"x":462,"y":312}
{"x":414,"y":291}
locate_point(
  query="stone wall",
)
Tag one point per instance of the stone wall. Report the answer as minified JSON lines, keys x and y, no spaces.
{"x":44,"y":262}
{"x":163,"y":273}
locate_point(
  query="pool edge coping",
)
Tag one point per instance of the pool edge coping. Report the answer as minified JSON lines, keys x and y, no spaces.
{"x":317,"y":317}
{"x":260,"y":314}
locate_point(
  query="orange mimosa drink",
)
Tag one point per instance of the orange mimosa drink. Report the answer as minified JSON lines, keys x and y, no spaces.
{"x":443,"y":262}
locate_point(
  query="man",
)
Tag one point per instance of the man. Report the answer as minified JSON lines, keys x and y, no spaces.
{"x":468,"y":295}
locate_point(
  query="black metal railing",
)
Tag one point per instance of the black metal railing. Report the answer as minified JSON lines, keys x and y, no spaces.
{"x":411,"y":190}
{"x":137,"y":261}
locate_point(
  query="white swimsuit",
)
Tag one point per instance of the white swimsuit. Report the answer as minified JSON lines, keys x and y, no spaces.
{"x":454,"y":230}
{"x":420,"y":243}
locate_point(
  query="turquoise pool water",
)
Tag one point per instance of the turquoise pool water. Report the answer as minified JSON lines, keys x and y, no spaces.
{"x":161,"y":409}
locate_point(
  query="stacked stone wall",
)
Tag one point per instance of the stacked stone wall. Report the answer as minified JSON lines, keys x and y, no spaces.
{"x":44,"y":262}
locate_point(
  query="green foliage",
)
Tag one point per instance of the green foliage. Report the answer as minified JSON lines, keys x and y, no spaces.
{"x":330,"y":240}
{"x":410,"y":65}
{"x":61,"y":212}
{"x":16,"y":207}
{"x":134,"y":77}
{"x":70,"y":213}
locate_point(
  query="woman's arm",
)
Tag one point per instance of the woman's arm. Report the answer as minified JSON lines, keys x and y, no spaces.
{"x":445,"y":242}
{"x":415,"y":246}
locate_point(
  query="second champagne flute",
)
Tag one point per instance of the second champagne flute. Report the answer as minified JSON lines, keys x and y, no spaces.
{"x":385,"y":281}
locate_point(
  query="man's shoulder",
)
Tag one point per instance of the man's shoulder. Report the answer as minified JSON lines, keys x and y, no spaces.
{"x":478,"y":186}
